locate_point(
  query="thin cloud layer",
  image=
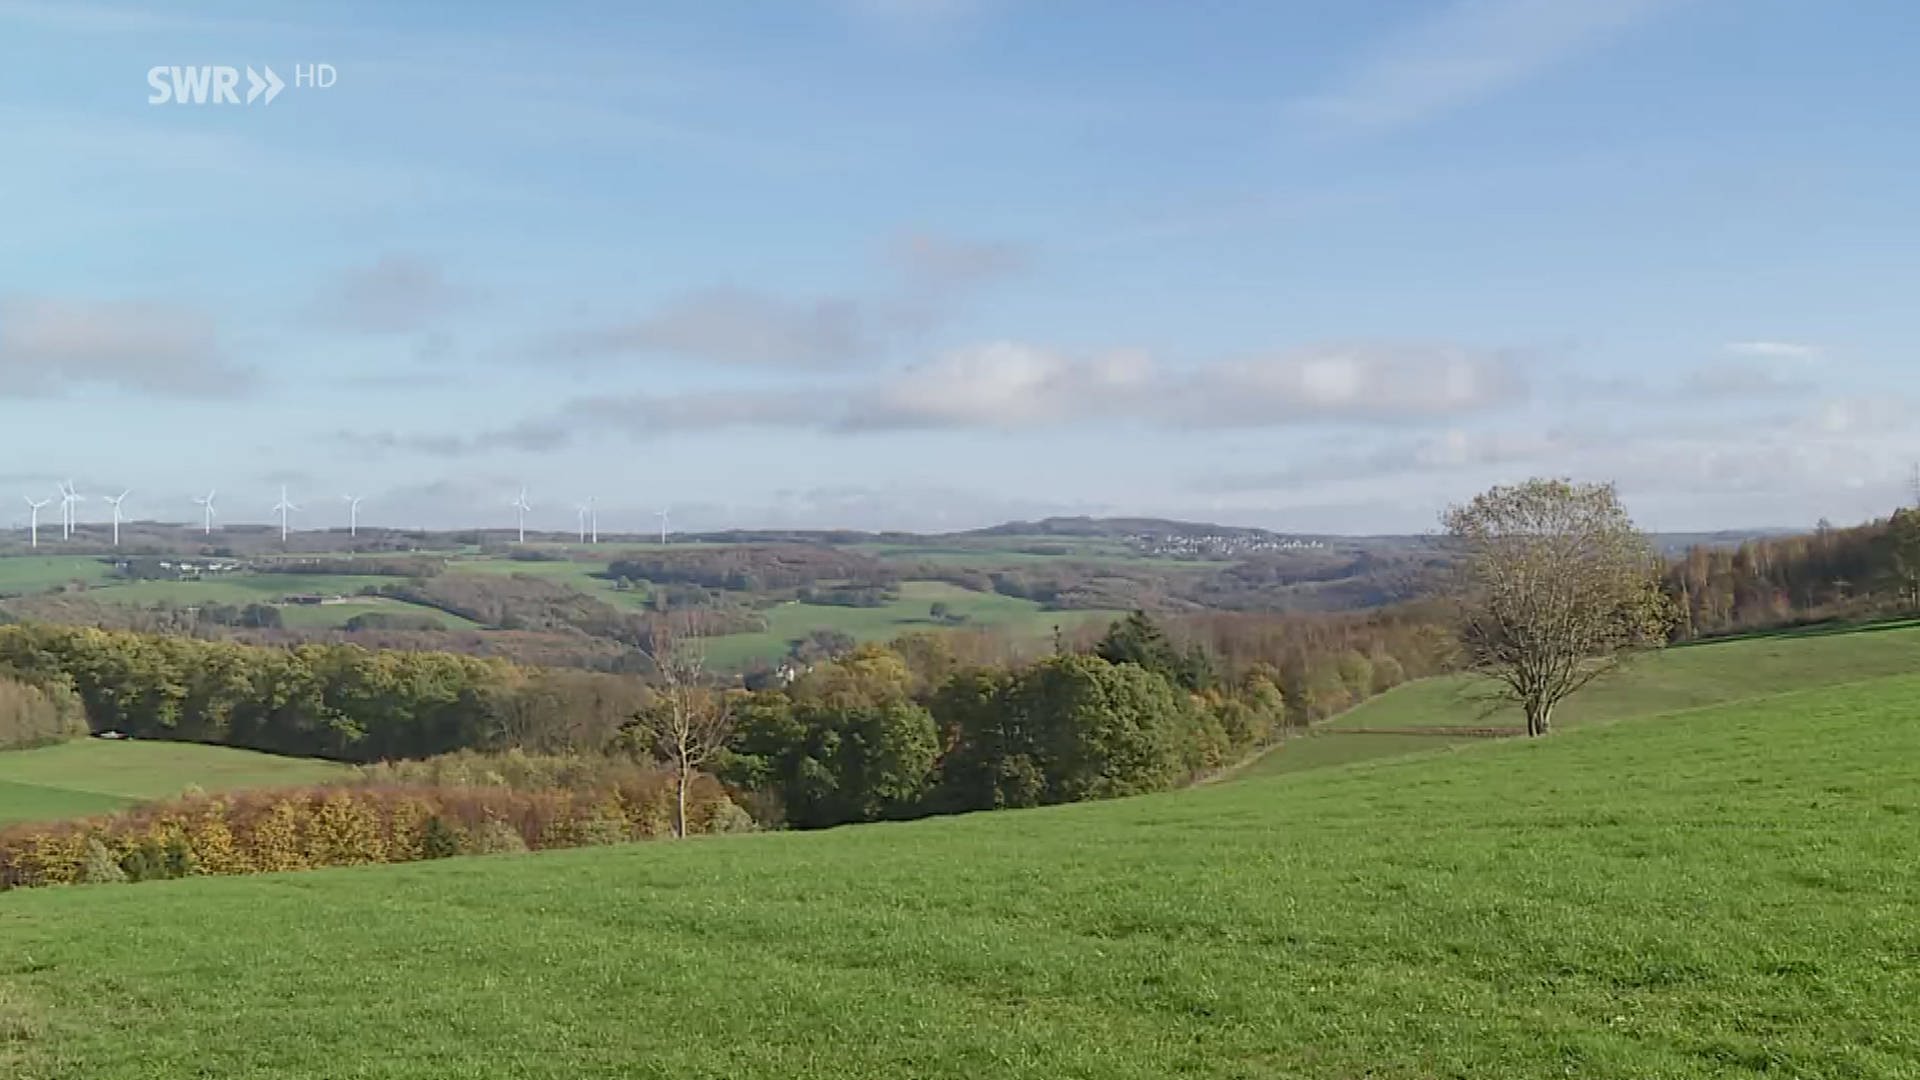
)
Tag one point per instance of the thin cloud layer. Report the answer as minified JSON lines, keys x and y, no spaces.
{"x":1470,"y":50}
{"x":1016,"y":386}
{"x":396,"y":294}
{"x":1005,"y":385}
{"x":735,"y":327}
{"x":51,"y":345}
{"x":927,"y":277}
{"x":1849,"y":443}
{"x":1775,"y":350}
{"x":943,"y":264}
{"x":1360,"y":383}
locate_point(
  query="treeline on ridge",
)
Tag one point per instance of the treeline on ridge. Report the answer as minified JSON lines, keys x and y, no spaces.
{"x":753,"y":568}
{"x":334,"y":701}
{"x":908,"y":729}
{"x":1831,"y":573}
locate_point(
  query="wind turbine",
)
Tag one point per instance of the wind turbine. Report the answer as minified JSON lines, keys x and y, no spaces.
{"x":521,"y":506}
{"x":206,"y":519}
{"x":33,"y":519}
{"x":283,"y":507}
{"x":68,"y":498}
{"x":663,"y":525}
{"x":115,"y":501}
{"x":353,"y":514}
{"x":582,"y":510}
{"x":593,"y":522}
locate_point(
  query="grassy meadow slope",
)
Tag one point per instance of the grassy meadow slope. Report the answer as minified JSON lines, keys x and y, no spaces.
{"x":91,"y":776}
{"x":1682,"y":677}
{"x":1728,"y":893}
{"x":1024,"y":621}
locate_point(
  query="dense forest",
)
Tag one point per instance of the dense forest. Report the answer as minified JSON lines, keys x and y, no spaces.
{"x":754,"y":568}
{"x":1830,"y":573}
{"x":333,"y":701}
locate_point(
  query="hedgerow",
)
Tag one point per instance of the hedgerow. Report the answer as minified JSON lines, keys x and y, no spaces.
{"x":346,"y":825}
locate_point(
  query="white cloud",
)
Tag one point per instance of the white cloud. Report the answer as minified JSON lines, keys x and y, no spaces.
{"x":1006,"y":384}
{"x":1469,"y":50}
{"x":393,"y":295}
{"x":943,"y":264}
{"x":1775,"y":350}
{"x":1858,"y":416}
{"x":927,"y":277}
{"x":733,"y":326}
{"x":1453,"y":450}
{"x":1845,"y":458}
{"x":50,"y":344}
{"x":1758,"y":369}
{"x":1011,"y":385}
{"x":1364,"y":382}
{"x":1735,"y":380}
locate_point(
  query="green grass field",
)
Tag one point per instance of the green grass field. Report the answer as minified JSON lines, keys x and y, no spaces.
{"x":1668,"y":680}
{"x":238,"y":588}
{"x":577,"y":575}
{"x":334,"y":616}
{"x":1686,"y":677}
{"x":21,"y":574}
{"x":90,"y":776}
{"x":1320,"y":749}
{"x":1008,"y":553}
{"x":1025,"y":620}
{"x":1732,"y":892}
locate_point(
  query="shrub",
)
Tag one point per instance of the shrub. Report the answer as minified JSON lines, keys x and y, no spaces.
{"x":726,"y":817}
{"x":498,"y":838}
{"x":439,"y":840}
{"x":160,"y":857}
{"x":368,"y":821}
{"x":100,"y":868}
{"x":600,"y":831}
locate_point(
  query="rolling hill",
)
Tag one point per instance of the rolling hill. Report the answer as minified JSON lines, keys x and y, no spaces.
{"x":1419,"y":715}
{"x":1721,"y":892}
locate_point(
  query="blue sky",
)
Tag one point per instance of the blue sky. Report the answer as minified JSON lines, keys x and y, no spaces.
{"x":937,"y":263}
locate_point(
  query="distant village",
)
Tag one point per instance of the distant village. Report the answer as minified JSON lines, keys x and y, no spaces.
{"x":1214,"y":546}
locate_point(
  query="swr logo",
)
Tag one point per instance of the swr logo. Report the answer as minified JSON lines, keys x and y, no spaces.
{"x":205,"y":84}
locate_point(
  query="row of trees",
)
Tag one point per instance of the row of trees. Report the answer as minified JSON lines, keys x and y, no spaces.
{"x":373,"y":821}
{"x":859,"y":739}
{"x":941,"y":723}
{"x":31,"y":715}
{"x":335,"y":701}
{"x":1828,"y":573}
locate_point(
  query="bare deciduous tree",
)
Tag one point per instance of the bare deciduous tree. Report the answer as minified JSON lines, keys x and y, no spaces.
{"x":690,"y":722}
{"x":1556,"y":584}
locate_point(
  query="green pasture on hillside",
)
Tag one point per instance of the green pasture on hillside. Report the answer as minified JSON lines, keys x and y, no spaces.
{"x":236,"y":588}
{"x":89,"y":776}
{"x":334,"y":616}
{"x":1025,"y":620}
{"x":1681,"y":677}
{"x":1732,"y":892}
{"x":22,"y":574}
{"x":583,"y":576}
{"x":1021,"y":552}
